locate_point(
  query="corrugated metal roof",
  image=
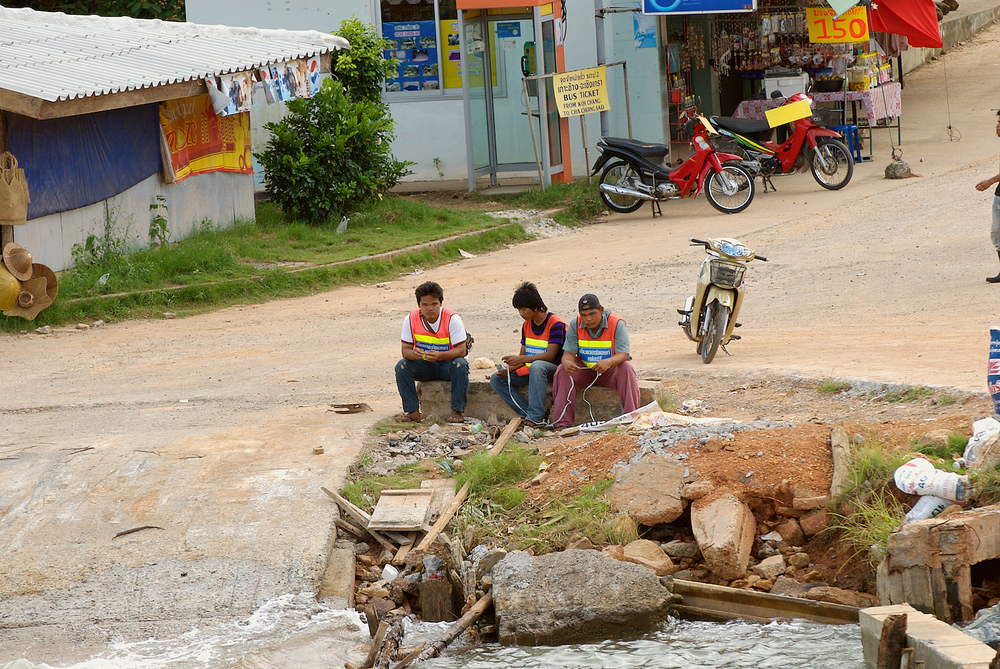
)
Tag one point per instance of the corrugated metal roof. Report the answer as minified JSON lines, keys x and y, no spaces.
{"x":54,"y":56}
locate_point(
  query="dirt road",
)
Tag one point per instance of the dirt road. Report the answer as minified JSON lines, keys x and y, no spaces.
{"x":203,"y":427}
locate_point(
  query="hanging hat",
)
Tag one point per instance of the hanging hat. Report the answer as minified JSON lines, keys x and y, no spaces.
{"x":10,"y":288}
{"x":51,"y":282}
{"x":18,"y":260}
{"x":31,"y":300}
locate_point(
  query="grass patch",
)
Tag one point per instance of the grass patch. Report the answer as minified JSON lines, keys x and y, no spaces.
{"x":253,"y":262}
{"x":871,"y":465}
{"x":907,"y":394}
{"x":831,"y":387}
{"x":390,"y":424}
{"x":486,"y":473}
{"x":953,"y":449}
{"x":869,"y":525}
{"x":986,"y":483}
{"x":947,"y":400}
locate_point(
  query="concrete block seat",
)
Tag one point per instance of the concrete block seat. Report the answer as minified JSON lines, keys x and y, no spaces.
{"x":435,"y":399}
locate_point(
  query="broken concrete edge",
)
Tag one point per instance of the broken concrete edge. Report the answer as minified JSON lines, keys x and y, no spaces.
{"x":936,"y":644}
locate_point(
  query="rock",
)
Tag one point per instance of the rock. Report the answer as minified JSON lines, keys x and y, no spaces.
{"x":986,"y":626}
{"x":373,"y":591}
{"x":489,"y":561}
{"x":615,"y":552}
{"x":483,"y":363}
{"x":787,"y":586}
{"x":766,"y":550}
{"x":649,"y":554}
{"x":765,"y":585}
{"x":521,"y":437}
{"x":361,"y":548}
{"x":840,"y":447}
{"x":696,"y":490}
{"x":799,"y":560}
{"x":574,"y":596}
{"x":579,"y":542}
{"x":492,"y":420}
{"x":934,"y":438}
{"x":169,"y":314}
{"x":810,"y":503}
{"x":771,"y":567}
{"x":724,"y":529}
{"x":682,"y":549}
{"x":98,"y":324}
{"x":45,"y":329}
{"x":713,"y":443}
{"x":432,"y":563}
{"x":898,"y":169}
{"x":82,"y":326}
{"x":434,"y":429}
{"x":814,"y":523}
{"x":650,"y":491}
{"x":825,"y":593}
{"x":791,"y":532}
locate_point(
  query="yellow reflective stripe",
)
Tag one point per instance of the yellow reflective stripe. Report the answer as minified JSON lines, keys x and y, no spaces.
{"x":584,"y":343}
{"x":432,"y":340}
{"x":537,"y":343}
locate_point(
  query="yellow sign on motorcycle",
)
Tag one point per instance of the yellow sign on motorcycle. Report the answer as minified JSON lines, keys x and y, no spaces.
{"x":581,"y":91}
{"x":793,"y":111}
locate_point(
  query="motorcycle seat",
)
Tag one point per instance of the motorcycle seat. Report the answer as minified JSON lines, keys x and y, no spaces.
{"x":644,"y":149}
{"x":742,"y":126}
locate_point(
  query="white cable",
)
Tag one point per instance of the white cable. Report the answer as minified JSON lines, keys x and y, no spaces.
{"x":571,"y":397}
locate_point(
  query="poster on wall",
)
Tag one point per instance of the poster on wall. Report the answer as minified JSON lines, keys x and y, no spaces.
{"x":414,"y":45}
{"x":645,"y":31}
{"x":451,"y":61}
{"x":196,"y":141}
{"x":697,"y":6}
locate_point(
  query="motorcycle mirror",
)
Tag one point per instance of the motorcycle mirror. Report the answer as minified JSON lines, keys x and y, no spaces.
{"x":760,"y":258}
{"x":775,"y":94}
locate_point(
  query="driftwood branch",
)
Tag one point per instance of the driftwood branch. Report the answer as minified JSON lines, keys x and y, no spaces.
{"x":453,"y":632}
{"x":390,"y":645}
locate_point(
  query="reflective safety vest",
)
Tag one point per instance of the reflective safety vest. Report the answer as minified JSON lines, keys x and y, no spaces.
{"x":424,"y":339}
{"x":537,"y":344}
{"x":593,"y":350}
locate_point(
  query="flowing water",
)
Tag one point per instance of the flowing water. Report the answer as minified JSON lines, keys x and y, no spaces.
{"x":294,"y":632}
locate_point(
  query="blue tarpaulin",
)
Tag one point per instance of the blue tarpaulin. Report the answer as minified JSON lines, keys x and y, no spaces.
{"x":79,"y":160}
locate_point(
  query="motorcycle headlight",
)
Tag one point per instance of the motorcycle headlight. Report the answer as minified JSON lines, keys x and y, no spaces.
{"x":735,"y":250}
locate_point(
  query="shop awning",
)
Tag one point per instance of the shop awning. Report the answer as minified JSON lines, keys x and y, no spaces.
{"x":914,"y":19}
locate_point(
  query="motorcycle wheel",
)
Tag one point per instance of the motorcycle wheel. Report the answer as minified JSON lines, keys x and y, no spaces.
{"x":620,"y":173}
{"x":718,"y":316}
{"x":840,"y":165}
{"x":733,"y":197}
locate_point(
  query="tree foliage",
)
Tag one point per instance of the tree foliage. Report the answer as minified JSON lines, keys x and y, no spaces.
{"x":363,"y":67}
{"x":330,"y":155}
{"x":167,"y":10}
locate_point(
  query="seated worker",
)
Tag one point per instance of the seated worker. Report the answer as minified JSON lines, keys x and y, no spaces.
{"x":542,"y":337}
{"x":596,"y":345}
{"x":433,"y":345}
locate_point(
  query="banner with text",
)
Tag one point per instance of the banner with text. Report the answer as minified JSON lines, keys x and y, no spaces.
{"x":581,"y":91}
{"x":851,"y":26}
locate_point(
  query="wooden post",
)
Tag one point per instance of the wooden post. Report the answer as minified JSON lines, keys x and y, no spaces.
{"x":435,"y":600}
{"x":361,"y":517}
{"x":586,"y":149}
{"x":890,"y":645}
{"x":454,"y":631}
{"x":383,"y":627}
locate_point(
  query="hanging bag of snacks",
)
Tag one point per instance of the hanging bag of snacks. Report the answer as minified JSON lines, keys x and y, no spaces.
{"x":13,"y":191}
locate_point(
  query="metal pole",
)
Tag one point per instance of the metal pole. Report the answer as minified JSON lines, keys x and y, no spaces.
{"x":531,"y":123}
{"x":628,"y":106}
{"x":601,"y":57}
{"x":586,"y":151}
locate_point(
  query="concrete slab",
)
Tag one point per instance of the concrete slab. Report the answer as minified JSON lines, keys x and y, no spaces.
{"x":936,"y":644}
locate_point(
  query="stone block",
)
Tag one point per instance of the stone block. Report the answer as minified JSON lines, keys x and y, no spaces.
{"x":814,"y":523}
{"x":724,"y":529}
{"x":650,"y":491}
{"x":840,"y":447}
{"x":435,"y":398}
{"x":771,"y":567}
{"x":791,"y":532}
{"x":649,"y":554}
{"x":936,"y":644}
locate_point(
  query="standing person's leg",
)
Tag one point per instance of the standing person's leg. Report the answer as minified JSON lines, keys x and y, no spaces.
{"x":507,"y":393}
{"x":625,"y":382}
{"x":408,"y":372}
{"x":995,"y":234}
{"x":538,"y":386}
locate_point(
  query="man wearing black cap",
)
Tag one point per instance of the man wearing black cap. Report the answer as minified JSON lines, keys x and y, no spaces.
{"x":596,"y":345}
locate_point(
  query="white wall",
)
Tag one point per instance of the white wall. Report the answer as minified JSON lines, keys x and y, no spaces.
{"x":322,"y":15}
{"x":220,"y":197}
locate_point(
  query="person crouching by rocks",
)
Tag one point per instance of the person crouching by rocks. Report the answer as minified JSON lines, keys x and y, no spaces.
{"x":542,"y":337}
{"x":433,"y":344}
{"x":596,"y":346}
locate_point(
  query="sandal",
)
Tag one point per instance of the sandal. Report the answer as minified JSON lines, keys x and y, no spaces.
{"x":455,"y":418}
{"x":405,"y":418}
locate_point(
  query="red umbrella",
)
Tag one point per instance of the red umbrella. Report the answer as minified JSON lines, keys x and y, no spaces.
{"x":914,"y":19}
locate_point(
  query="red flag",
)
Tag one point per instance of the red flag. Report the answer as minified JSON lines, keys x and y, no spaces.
{"x":915,"y":19}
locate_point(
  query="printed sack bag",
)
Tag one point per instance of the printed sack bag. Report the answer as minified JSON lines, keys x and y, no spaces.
{"x":13,"y":191}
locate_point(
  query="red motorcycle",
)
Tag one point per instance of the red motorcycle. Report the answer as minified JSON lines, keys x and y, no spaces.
{"x":809,"y":143}
{"x":636,"y":171}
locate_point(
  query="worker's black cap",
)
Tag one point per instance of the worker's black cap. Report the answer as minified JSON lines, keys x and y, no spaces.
{"x":589,"y":301}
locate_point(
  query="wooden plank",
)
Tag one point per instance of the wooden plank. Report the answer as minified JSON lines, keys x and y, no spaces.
{"x":411,"y":656}
{"x":405,"y":549}
{"x":716,"y":602}
{"x":403,"y":510}
{"x":361,"y":517}
{"x":436,"y":600}
{"x":351,"y":529}
{"x":505,"y":435}
{"x":383,"y":628}
{"x":444,"y":492}
{"x":890,"y":645}
{"x":442,"y":522}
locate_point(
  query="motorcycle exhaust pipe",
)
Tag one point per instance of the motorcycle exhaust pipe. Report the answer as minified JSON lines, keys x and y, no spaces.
{"x":627,"y":192}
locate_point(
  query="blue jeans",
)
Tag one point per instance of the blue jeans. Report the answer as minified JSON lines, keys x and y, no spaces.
{"x":537,"y":381}
{"x":408,"y":372}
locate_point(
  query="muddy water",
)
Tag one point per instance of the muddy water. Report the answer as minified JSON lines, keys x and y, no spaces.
{"x":296,"y":633}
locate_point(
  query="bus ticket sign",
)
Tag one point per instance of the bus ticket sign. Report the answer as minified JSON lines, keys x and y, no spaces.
{"x":581,"y":91}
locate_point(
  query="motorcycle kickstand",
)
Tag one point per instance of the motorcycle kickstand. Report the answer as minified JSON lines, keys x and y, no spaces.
{"x":723,"y":347}
{"x":655,"y":206}
{"x":768,"y":182}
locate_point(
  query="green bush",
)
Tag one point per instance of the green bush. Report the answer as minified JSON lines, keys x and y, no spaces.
{"x":330,"y":155}
{"x":362,"y":68}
